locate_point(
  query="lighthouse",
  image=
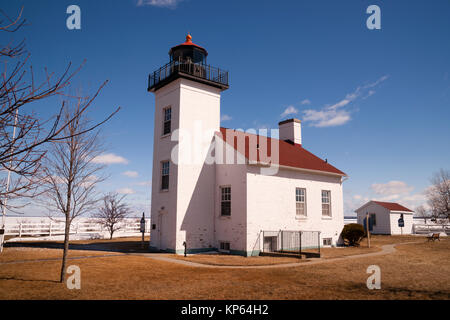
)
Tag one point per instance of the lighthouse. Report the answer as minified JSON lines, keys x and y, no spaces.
{"x":187,"y":115}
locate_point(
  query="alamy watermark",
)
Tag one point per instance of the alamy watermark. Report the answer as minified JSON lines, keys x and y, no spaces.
{"x":73,"y":21}
{"x":74,"y":278}
{"x":199,"y":146}
{"x":374,"y":20}
{"x":374,"y":280}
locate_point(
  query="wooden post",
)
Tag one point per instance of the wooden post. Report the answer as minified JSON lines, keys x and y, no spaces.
{"x":50,"y":228}
{"x":20,"y":230}
{"x":368,"y":230}
{"x":319,"y":241}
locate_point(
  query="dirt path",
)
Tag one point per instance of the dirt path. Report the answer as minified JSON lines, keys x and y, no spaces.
{"x":385,"y":249}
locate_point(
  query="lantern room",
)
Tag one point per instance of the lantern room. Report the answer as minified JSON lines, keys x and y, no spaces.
{"x":188,"y":61}
{"x":188,"y":52}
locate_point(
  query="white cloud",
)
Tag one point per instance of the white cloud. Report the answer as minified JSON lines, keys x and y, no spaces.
{"x":391,"y":188}
{"x":145,"y":183}
{"x":131,"y":174}
{"x":159,"y":3}
{"x":288,"y":111}
{"x":392,"y":191}
{"x":88,"y":181}
{"x":225,"y":117}
{"x":306,"y":101}
{"x":336,"y":114}
{"x":125,"y":191}
{"x":327,"y":117}
{"x":110,"y":158}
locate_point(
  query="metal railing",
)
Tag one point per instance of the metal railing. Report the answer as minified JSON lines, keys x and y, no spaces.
{"x":202,"y":71}
{"x":291,"y":242}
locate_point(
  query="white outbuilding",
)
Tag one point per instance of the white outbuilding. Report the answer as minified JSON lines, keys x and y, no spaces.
{"x":386,"y":217}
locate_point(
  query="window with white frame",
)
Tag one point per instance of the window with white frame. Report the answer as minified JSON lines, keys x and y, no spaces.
{"x":165,"y":170}
{"x":167,"y":119}
{"x":326,"y":203}
{"x":326,"y":241}
{"x":300,"y":201}
{"x":225,"y":203}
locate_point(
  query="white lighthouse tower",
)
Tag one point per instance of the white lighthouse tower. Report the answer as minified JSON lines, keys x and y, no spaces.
{"x":187,"y":115}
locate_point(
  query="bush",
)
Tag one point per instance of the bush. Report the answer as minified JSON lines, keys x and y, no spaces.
{"x":353,"y":234}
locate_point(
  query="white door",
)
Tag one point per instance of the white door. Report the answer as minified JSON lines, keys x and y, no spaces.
{"x":162,"y":236}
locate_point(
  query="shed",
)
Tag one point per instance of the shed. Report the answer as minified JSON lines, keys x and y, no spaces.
{"x":385,"y":217}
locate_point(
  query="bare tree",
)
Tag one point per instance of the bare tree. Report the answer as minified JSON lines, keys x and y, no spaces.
{"x":439,"y":196}
{"x":23,"y":133}
{"x":71,"y":175}
{"x":113,"y":212}
{"x":421,"y":212}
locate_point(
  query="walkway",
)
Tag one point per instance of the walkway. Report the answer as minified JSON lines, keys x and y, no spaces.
{"x":385,"y":249}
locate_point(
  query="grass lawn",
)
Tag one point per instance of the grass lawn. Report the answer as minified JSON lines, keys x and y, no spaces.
{"x":415,"y":271}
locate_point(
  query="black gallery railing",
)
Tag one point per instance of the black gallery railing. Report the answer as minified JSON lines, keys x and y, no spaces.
{"x":202,"y":71}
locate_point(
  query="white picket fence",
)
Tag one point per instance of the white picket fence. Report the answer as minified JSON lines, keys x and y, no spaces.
{"x":51,"y":228}
{"x":430,"y":228}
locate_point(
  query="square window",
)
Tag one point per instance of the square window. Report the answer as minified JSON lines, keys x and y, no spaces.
{"x":224,"y":246}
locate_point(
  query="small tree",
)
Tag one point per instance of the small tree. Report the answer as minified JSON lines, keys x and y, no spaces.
{"x":71,"y":175}
{"x":112,"y":213}
{"x":438,"y":196}
{"x":421,"y":212}
{"x":353,"y":234}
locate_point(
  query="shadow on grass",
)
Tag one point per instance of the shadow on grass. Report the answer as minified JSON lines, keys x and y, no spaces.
{"x":114,"y":246}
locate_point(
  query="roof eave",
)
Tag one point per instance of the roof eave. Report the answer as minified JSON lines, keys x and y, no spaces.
{"x":328,"y":173}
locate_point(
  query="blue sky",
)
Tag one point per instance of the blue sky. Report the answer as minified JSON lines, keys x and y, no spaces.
{"x":375,"y":103}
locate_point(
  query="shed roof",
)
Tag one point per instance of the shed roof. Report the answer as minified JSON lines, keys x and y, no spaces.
{"x":391,"y":206}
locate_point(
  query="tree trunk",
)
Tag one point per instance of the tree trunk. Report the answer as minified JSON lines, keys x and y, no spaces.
{"x":66,"y":249}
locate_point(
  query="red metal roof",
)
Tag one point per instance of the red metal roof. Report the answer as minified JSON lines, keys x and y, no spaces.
{"x":189,"y":42}
{"x":290,"y":155}
{"x":393,"y":206}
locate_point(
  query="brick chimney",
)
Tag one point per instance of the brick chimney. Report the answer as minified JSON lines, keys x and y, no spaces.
{"x":291,"y":131}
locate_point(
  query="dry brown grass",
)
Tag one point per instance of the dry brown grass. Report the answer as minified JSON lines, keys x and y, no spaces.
{"x":25,"y":254}
{"x":33,"y":250}
{"x":418,"y":271}
{"x":231,"y":260}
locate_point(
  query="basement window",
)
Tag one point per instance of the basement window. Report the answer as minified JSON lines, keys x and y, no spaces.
{"x":224,"y":246}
